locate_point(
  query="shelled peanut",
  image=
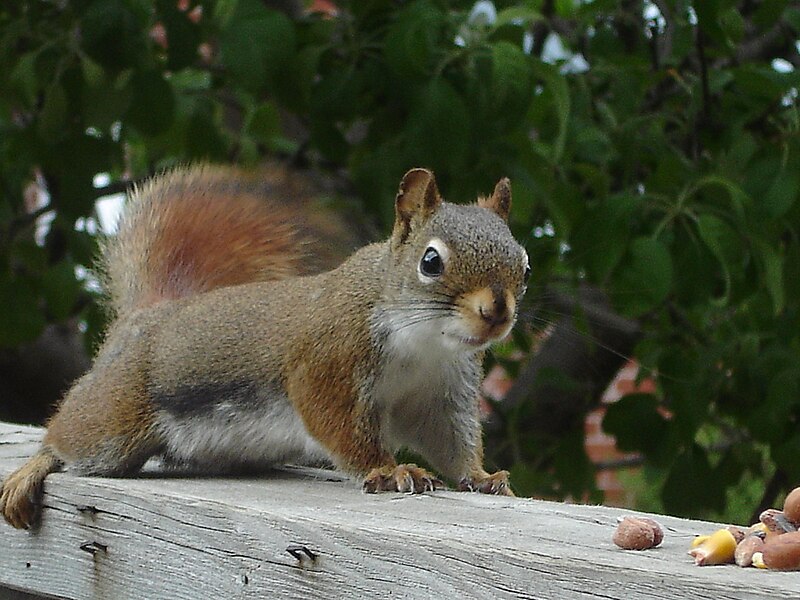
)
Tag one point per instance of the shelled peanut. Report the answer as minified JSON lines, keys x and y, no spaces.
{"x":638,"y":533}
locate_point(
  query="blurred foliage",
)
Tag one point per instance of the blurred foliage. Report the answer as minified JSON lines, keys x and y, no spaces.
{"x":653,"y":149}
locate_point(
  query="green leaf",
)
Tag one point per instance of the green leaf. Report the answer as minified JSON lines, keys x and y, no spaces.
{"x":328,"y":139}
{"x":732,"y":25}
{"x":224,"y":11}
{"x":555,"y":84}
{"x":785,"y":454}
{"x":112,"y":35}
{"x":335,"y":96}
{"x":264,"y":123}
{"x":76,"y":161}
{"x":762,"y":82}
{"x":593,"y":145}
{"x":152,"y":108}
{"x":21,"y":318}
{"x":772,"y":267}
{"x":782,"y":194}
{"x":682,"y":382}
{"x":643,"y":278}
{"x":511,"y":84}
{"x":792,"y":16}
{"x":300,"y":77}
{"x":93,"y":73}
{"x":724,"y":243}
{"x":411,"y":41}
{"x":737,"y":196}
{"x":527,"y":481}
{"x":60,"y":289}
{"x":439,"y":128}
{"x":23,"y":77}
{"x":575,"y":472}
{"x":566,"y":8}
{"x":692,"y":485}
{"x":635,"y":421}
{"x":203,"y":137}
{"x":791,"y":280}
{"x":193,"y":81}
{"x":104,"y":101}
{"x":517,"y":14}
{"x":773,"y":418}
{"x":52,"y":119}
{"x":256,"y":43}
{"x":602,"y":238}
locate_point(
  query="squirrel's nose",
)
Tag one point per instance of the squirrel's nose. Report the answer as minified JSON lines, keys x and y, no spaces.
{"x":496,"y":314}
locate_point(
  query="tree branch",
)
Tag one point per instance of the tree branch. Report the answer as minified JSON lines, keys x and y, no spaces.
{"x":23,"y":221}
{"x":774,"y":486}
{"x":662,"y":43}
{"x":777,"y":41}
{"x":123,"y":186}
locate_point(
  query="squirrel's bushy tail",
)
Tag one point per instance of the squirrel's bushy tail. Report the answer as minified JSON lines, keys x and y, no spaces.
{"x":192,"y":230}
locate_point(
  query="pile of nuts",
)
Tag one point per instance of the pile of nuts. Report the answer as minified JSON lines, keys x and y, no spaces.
{"x":772,"y":543}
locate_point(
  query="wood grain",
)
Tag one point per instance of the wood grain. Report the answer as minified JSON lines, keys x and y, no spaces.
{"x":170,"y":536}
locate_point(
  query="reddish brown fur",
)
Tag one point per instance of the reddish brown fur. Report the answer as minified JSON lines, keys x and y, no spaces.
{"x":191,"y":231}
{"x":188,"y":258}
{"x":322,"y":384}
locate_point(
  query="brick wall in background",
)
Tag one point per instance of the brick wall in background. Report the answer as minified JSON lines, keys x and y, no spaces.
{"x":601,"y":448}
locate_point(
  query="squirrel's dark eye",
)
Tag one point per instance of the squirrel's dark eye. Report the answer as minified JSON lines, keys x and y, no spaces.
{"x":527,"y":274}
{"x":431,"y":264}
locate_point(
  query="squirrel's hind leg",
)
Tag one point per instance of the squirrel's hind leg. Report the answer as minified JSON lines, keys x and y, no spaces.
{"x":21,"y":492}
{"x":108,"y":438}
{"x":105,"y":426}
{"x":107,"y":423}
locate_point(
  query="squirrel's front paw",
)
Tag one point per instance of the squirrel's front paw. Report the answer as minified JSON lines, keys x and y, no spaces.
{"x":20,"y":500}
{"x":402,"y":478}
{"x":496,"y":483}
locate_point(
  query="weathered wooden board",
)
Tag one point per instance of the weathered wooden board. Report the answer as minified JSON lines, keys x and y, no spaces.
{"x":165,"y":536}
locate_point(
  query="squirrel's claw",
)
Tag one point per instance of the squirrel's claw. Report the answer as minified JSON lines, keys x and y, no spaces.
{"x":408,"y":478}
{"x":496,"y":484}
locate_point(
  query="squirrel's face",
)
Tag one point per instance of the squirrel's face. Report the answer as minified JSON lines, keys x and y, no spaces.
{"x":463,"y":273}
{"x":469,"y":274}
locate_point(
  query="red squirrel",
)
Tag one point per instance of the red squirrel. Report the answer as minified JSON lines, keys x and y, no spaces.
{"x":223,"y":353}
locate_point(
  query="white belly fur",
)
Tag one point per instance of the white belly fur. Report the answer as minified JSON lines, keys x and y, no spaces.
{"x":270,"y":434}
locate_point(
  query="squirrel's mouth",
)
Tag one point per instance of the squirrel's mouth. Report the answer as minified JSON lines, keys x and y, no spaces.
{"x":477,"y":337}
{"x":485,"y":338}
{"x":475,"y":342}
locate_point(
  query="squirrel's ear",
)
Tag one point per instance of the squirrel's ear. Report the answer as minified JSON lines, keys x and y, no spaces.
{"x":500,"y":200}
{"x":417,"y":199}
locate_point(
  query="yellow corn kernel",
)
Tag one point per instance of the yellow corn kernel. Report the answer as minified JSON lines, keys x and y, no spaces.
{"x":718,"y":549}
